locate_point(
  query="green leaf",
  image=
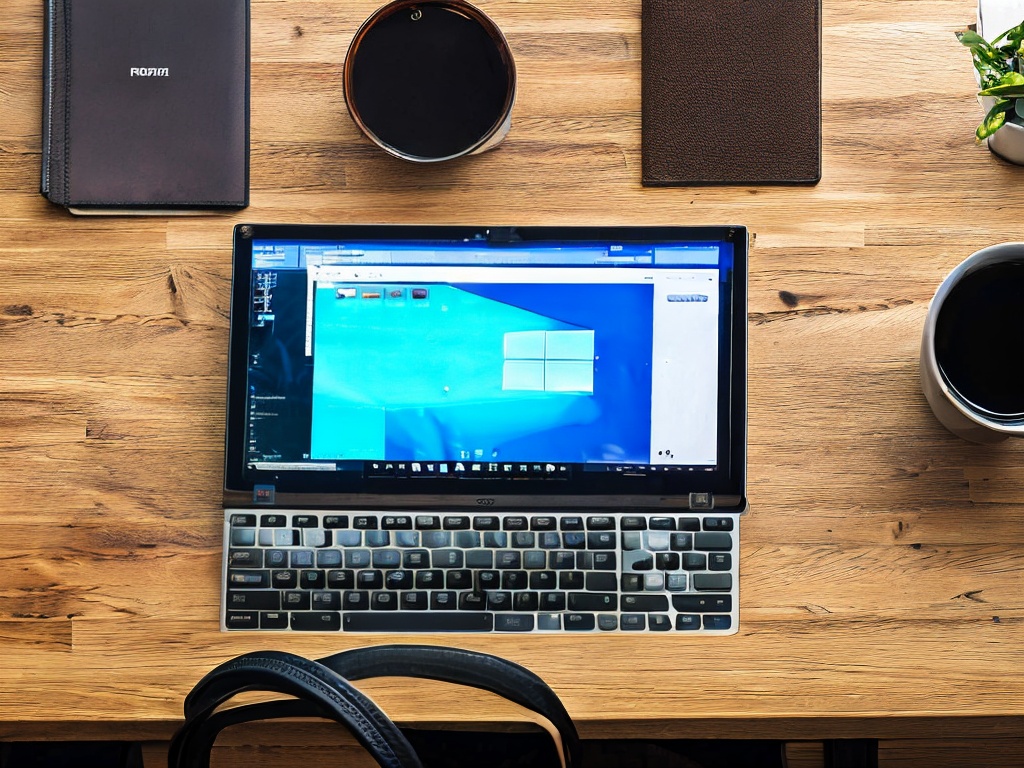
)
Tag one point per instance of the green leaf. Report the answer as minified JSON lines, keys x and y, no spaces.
{"x":1004,"y":91}
{"x":971,"y":38}
{"x":994,"y":119}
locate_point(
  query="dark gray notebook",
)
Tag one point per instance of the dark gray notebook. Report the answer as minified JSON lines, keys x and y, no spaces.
{"x":731,"y":92}
{"x":146,"y":104}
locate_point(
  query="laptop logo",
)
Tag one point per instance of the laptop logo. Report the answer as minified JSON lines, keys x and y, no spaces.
{"x":150,"y":72}
{"x":485,"y":502}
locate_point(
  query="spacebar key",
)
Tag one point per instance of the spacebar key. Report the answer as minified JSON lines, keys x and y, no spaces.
{"x":388,"y":621}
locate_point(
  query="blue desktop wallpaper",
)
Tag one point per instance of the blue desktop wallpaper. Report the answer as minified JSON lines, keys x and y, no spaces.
{"x":415,"y":372}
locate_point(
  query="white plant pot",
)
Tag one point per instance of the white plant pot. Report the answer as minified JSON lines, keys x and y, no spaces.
{"x":1008,"y":141}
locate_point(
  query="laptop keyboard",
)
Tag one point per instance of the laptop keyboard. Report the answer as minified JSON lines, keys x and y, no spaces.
{"x":502,"y":572}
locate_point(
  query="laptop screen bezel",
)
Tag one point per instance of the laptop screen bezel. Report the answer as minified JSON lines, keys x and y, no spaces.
{"x":306,"y":489}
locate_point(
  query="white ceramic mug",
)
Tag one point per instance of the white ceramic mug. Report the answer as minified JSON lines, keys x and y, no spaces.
{"x":956,"y":413}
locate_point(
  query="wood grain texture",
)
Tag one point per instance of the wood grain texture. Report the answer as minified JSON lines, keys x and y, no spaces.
{"x":882,"y":587}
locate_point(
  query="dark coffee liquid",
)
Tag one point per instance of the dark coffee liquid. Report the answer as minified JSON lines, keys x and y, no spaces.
{"x":979,"y":339}
{"x":430,"y":87}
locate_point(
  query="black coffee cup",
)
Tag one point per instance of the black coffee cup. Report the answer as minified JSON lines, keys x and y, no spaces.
{"x":430,"y":81}
{"x":972,"y":350}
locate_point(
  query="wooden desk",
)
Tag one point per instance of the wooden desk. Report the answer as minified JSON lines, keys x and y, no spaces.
{"x":882,"y":589}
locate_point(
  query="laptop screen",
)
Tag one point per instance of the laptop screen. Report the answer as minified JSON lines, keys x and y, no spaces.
{"x":487,"y":362}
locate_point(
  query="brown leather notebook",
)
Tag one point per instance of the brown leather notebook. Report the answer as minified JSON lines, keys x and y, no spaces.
{"x":731,"y":92}
{"x":146,"y":105}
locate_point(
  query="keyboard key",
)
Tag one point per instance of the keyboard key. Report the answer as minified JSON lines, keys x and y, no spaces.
{"x":364,"y":522}
{"x":262,"y":600}
{"x":413,"y":601}
{"x":687,"y":621}
{"x":642,"y":603}
{"x":335,"y":521}
{"x":249,"y":579}
{"x":377,"y":538}
{"x":495,"y":539}
{"x":516,"y":523}
{"x":443,"y":601}
{"x":702,"y":603}
{"x":654,"y":582}
{"x":274,"y":620}
{"x":305,"y":521}
{"x":543,"y":523}
{"x":245,"y":558}
{"x":486,"y":523}
{"x":598,"y":561}
{"x":370,"y":579}
{"x":571,"y":580}
{"x":316,"y":537}
{"x":599,"y":581}
{"x":632,"y":582}
{"x":341,"y":579}
{"x":356,"y":601}
{"x":695,"y":561}
{"x":601,"y":523}
{"x":549,"y":540}
{"x":632,"y":540}
{"x":285,"y":537}
{"x":525,"y":601}
{"x":357,"y":558}
{"x":659,"y":622}
{"x":681,"y":542}
{"x":552,"y":601}
{"x":459,"y":579}
{"x":543,"y":580}
{"x":514,"y":580}
{"x":508,"y":558}
{"x":383,"y":601}
{"x":472,"y":601}
{"x":524,"y":539}
{"x":455,"y":522}
{"x":718,"y":524}
{"x":415,"y":558}
{"x":325,"y":600}
{"x":467,"y":539}
{"x":242,"y":620}
{"x":387,"y":558}
{"x":574,"y":540}
{"x":398,"y":580}
{"x":328,"y":558}
{"x":561,"y":560}
{"x":549,"y":621}
{"x":602,"y":540}
{"x":407,"y":538}
{"x":717,"y":622}
{"x":632,"y":622}
{"x":712,"y":541}
{"x":607,"y":621}
{"x":447,"y":558}
{"x":535,"y":559}
{"x":428,"y":522}
{"x":396,"y":522}
{"x":479,"y":558}
{"x":432,"y":579}
{"x":284,"y":579}
{"x":436,"y":539}
{"x":663,"y":524}
{"x":317,"y":621}
{"x":243,"y":537}
{"x":275,"y":558}
{"x":666,"y":561}
{"x":312,"y":579}
{"x":578,"y":622}
{"x":675,"y":582}
{"x":657,"y":541}
{"x":486,"y":580}
{"x":593,"y":601}
{"x":499,"y":601}
{"x":571,"y":523}
{"x":689,"y":524}
{"x":513,"y":622}
{"x":634,"y":523}
{"x":719,"y":561}
{"x":243,"y":520}
{"x":293,"y":600}
{"x":709,"y":582}
{"x":301,"y":558}
{"x":419,"y":622}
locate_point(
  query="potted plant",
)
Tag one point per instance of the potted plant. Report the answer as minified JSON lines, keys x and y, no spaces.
{"x":1001,"y":79}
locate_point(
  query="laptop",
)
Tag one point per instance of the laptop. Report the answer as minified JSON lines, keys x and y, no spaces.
{"x":485,"y":429}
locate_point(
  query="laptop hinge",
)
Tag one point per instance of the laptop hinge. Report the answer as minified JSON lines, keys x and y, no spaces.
{"x":702,"y":501}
